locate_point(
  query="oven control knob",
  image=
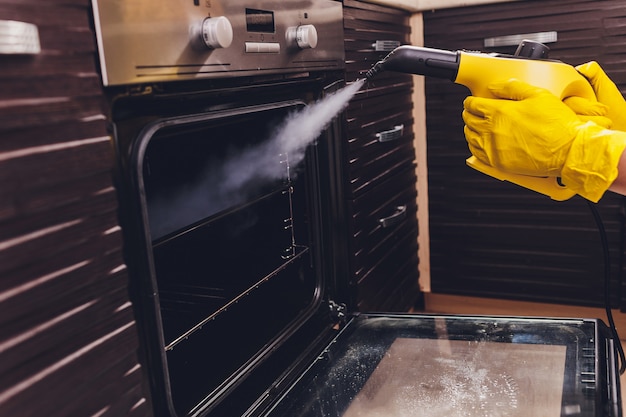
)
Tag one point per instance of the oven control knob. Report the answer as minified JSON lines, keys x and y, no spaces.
{"x":217,"y":32}
{"x":305,"y":36}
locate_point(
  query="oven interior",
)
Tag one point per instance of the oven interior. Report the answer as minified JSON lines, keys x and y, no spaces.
{"x":232,"y":226}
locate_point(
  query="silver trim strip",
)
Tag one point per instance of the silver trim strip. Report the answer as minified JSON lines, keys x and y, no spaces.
{"x":514,"y":40}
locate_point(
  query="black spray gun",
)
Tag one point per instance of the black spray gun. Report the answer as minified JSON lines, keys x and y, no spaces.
{"x":477,"y":70}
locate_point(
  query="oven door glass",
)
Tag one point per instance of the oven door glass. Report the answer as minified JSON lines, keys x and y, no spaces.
{"x":456,"y":366}
{"x":229,"y":218}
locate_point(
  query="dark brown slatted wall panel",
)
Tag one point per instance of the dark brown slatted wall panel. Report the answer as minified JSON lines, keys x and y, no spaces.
{"x":490,"y":238}
{"x":381,"y":175}
{"x":68,"y":340}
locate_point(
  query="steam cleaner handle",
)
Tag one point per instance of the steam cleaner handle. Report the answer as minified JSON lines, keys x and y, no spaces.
{"x":476,"y":71}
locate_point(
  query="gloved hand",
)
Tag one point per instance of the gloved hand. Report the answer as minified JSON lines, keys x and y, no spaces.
{"x":607,"y":93}
{"x":527,"y":130}
{"x":589,"y":111}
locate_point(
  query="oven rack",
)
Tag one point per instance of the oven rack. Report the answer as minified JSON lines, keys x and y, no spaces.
{"x":195,"y":295}
{"x":285,"y":188}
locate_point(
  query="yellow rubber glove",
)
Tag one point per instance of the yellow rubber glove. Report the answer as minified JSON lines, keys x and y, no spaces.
{"x":527,"y":130}
{"x":589,"y":111}
{"x":607,"y":93}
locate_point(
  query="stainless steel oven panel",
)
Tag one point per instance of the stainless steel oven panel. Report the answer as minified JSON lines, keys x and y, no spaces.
{"x":145,"y":41}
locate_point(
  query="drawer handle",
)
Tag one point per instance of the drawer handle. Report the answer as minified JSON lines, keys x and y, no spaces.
{"x":385,"y":46}
{"x":18,"y":38}
{"x":388,"y":135}
{"x":395,"y":218}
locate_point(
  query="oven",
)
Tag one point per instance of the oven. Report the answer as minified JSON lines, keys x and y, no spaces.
{"x":226,"y":219}
{"x":235,"y":238}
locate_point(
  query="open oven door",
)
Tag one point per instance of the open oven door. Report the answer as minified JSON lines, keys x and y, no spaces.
{"x":420,"y":365}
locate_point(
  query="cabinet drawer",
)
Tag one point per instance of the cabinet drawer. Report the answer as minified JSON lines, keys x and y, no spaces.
{"x":357,"y":64}
{"x":391,"y":284}
{"x":380,"y":219}
{"x":373,"y":133}
{"x":366,"y":173}
{"x":379,"y":155}
{"x":371,"y":32}
{"x":373,"y":105}
{"x":386,"y":86}
{"x":380,"y":141}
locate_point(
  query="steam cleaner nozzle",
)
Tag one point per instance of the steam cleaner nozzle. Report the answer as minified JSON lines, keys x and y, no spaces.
{"x":371,"y":73}
{"x":419,"y":61}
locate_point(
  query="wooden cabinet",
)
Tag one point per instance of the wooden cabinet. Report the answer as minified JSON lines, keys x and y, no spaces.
{"x":69,"y":340}
{"x":380,"y":188}
{"x":492,"y":238}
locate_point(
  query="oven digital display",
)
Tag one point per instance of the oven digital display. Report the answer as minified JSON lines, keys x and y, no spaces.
{"x":260,"y":21}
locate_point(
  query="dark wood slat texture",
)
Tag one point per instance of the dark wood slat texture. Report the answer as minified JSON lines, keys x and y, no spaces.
{"x":68,"y":345}
{"x":380,"y":175}
{"x":491,"y":238}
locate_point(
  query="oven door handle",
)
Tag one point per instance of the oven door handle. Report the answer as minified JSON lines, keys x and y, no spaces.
{"x":395,"y":218}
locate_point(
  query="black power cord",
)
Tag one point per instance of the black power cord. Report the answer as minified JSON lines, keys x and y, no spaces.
{"x":607,"y":285}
